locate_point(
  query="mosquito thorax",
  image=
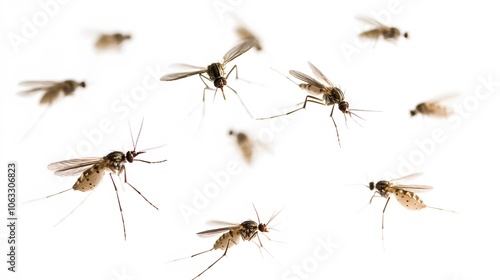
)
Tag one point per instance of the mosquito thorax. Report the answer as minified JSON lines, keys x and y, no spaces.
{"x":215,"y":70}
{"x":117,"y":159}
{"x":381,"y":185}
{"x":249,"y":229}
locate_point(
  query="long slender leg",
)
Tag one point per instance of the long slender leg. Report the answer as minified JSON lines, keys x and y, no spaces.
{"x":336,"y":129}
{"x":241,"y":101}
{"x":309,"y":98}
{"x":225,"y":252}
{"x":119,"y":206}
{"x":126,"y":182}
{"x":234,"y":67}
{"x":383,"y":212}
{"x":74,"y":209}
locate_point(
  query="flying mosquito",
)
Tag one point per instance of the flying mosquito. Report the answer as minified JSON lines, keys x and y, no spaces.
{"x":247,"y":231}
{"x":92,"y":171}
{"x":246,"y":35}
{"x":245,"y":144}
{"x":405,"y":195}
{"x":327,"y":95}
{"x":215,"y":71}
{"x":107,"y":41}
{"x":380,"y":30}
{"x":433,"y":108}
{"x":52,"y":92}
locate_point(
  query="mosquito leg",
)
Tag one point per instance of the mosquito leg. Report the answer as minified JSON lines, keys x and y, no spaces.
{"x":225,"y":252}
{"x":119,"y":206}
{"x":309,"y":98}
{"x":241,"y":101}
{"x":335,"y":124}
{"x":126,"y":182}
{"x":74,"y":209}
{"x":234,"y":67}
{"x":383,"y":212}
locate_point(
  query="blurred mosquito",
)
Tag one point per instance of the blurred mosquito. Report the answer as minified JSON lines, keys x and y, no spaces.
{"x":433,"y":108}
{"x":405,"y":195}
{"x":107,"y":41}
{"x":245,"y":144}
{"x":216,"y":72}
{"x":247,"y":231}
{"x":380,"y":30}
{"x":52,"y":92}
{"x":246,"y":35}
{"x":92,"y":171}
{"x":327,"y":95}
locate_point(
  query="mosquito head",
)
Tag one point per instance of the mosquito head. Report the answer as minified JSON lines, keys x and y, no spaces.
{"x":413,"y":112}
{"x":344,"y":107}
{"x":371,"y":186}
{"x":220,"y":82}
{"x":82,"y":84}
{"x":406,"y":35}
{"x":132,"y":154}
{"x":231,"y":132}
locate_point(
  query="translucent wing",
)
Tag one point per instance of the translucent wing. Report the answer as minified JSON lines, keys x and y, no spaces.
{"x":442,"y":98}
{"x":413,"y":188}
{"x":245,"y":34}
{"x":413,"y":175}
{"x":222,"y":223}
{"x":211,"y":232}
{"x":38,"y":83}
{"x":238,"y":50}
{"x":50,"y":95}
{"x":176,"y":76}
{"x":373,"y":22}
{"x":305,"y":78}
{"x":320,"y":75}
{"x":73,"y":166}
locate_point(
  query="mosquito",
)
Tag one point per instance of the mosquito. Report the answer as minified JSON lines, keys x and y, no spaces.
{"x":246,"y":35}
{"x":380,"y":30}
{"x":327,"y":95}
{"x":215,"y":72}
{"x":247,"y":231}
{"x":106,"y":41}
{"x":405,"y":195}
{"x":52,"y":92}
{"x":433,"y":108}
{"x":92,"y":171}
{"x":245,"y":144}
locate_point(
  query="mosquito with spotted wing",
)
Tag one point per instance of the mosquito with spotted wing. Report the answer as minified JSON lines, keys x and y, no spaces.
{"x":380,"y":30}
{"x":404,"y":194}
{"x":51,"y":92}
{"x":232,"y":233}
{"x":326,"y":95}
{"x":215,"y":72}
{"x":92,"y":171}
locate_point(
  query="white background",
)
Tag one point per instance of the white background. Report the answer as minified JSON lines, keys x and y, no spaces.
{"x":299,"y":167}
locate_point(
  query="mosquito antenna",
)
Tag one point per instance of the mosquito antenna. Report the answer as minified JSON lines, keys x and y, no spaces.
{"x":258,"y":218}
{"x":139,"y":134}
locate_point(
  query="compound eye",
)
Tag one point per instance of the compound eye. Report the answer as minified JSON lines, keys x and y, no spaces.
{"x":130,"y":157}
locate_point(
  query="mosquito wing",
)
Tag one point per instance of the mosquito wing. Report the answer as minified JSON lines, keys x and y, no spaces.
{"x":73,"y":166}
{"x":320,"y":75}
{"x":442,"y":98}
{"x":211,"y":232}
{"x":413,"y":188}
{"x":305,"y":78}
{"x":38,"y":83}
{"x":373,"y":22}
{"x":176,"y":76}
{"x":238,"y":50}
{"x":413,"y":175}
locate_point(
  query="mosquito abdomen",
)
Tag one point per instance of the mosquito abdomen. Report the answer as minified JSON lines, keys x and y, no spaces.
{"x":409,"y":200}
